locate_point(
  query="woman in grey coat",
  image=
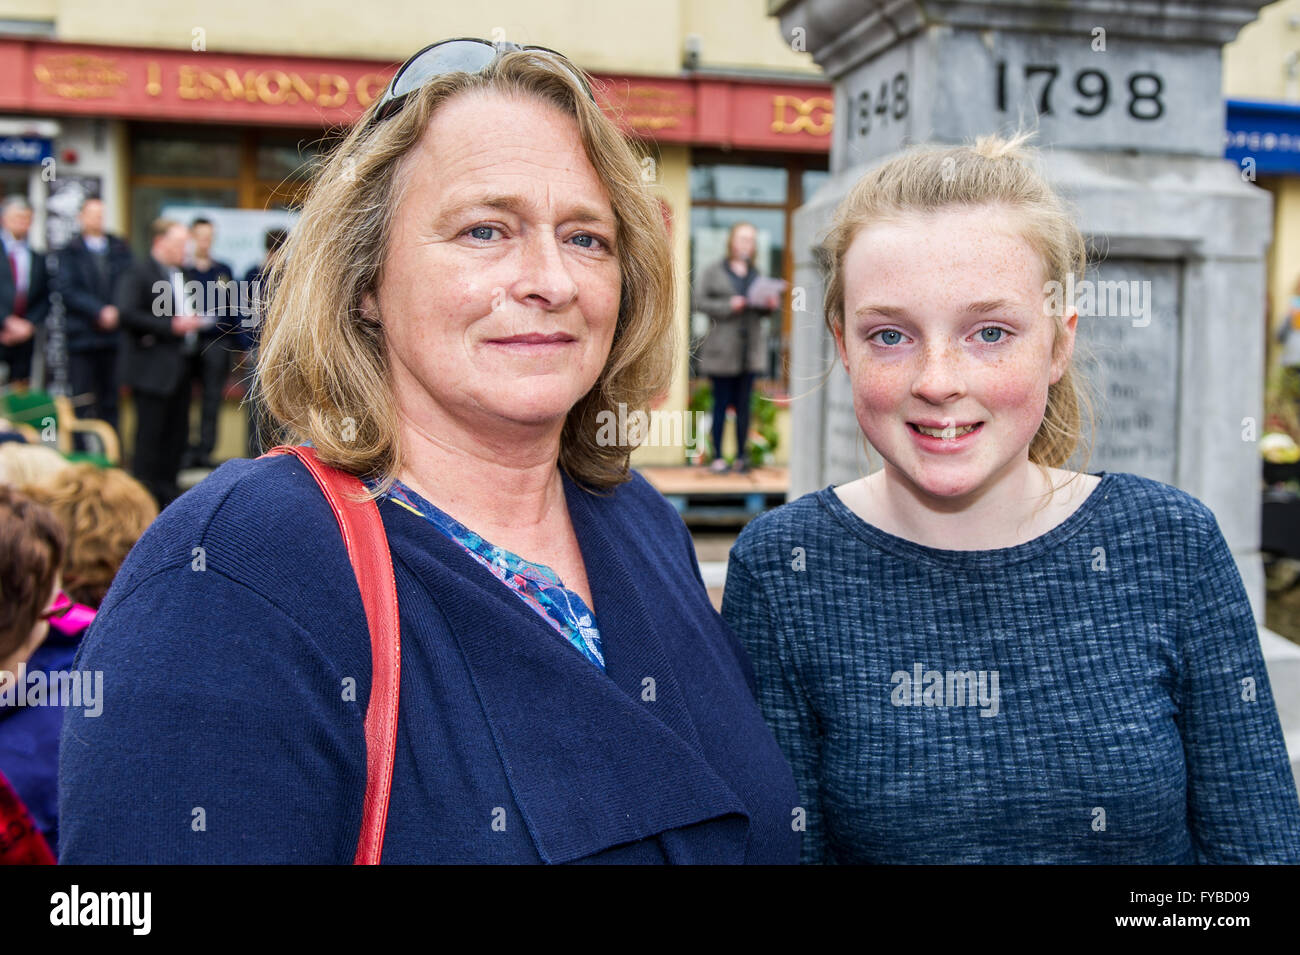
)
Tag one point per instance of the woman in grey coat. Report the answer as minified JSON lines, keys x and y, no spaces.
{"x":735,"y":348}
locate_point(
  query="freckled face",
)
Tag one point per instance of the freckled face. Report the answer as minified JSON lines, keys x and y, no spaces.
{"x":500,"y":290}
{"x":945,"y":332}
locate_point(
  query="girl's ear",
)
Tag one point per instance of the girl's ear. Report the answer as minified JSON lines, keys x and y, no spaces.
{"x":839,"y":347}
{"x":1063,"y":350}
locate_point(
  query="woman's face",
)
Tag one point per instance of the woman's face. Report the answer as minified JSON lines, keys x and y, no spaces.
{"x":948,"y":347}
{"x":500,"y":290}
{"x":744,"y":243}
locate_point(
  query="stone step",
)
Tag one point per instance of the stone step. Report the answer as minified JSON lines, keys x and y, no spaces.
{"x":1282,"y":659}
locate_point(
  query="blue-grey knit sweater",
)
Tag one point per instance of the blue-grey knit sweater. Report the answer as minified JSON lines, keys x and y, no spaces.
{"x":1097,"y":694}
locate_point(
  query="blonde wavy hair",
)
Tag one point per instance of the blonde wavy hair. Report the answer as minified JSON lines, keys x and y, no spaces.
{"x":104,"y":511}
{"x":22,"y":463}
{"x":994,"y":170}
{"x":322,"y":371}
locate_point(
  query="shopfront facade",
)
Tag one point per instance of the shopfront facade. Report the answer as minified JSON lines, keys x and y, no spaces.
{"x":159,"y":130}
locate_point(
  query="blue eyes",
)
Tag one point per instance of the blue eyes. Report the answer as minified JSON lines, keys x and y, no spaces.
{"x":583,"y":240}
{"x":889,"y":337}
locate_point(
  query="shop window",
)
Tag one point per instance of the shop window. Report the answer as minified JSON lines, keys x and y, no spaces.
{"x":726,"y":183}
{"x":289,"y":158}
{"x":763,"y":189}
{"x":710,"y":226}
{"x":813,"y":179}
{"x":211,"y":154}
{"x":225,"y":166}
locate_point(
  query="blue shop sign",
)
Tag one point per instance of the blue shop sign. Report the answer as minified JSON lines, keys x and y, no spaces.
{"x":1267,"y":132}
{"x":25,"y":150}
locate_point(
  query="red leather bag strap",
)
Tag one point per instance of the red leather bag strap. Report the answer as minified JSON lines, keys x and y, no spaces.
{"x":367,"y":546}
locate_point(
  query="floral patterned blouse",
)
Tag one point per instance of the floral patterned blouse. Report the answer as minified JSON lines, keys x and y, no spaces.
{"x":535,"y":584}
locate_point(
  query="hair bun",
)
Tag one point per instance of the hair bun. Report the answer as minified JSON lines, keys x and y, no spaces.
{"x":995,"y":147}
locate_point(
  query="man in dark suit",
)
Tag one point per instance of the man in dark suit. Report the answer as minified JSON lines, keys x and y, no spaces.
{"x":210,"y":364}
{"x":90,"y":266}
{"x":248,"y":331}
{"x":7,"y":292}
{"x":156,"y":324}
{"x":25,"y":314}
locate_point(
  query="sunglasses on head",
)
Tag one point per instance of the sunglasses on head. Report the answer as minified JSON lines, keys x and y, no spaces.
{"x":461,"y":55}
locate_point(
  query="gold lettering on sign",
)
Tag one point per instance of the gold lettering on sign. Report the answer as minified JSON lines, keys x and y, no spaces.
{"x":153,"y":85}
{"x":804,"y":118}
{"x":80,"y":76}
{"x":649,"y":107}
{"x":370,"y":87}
{"x":280,"y":94}
{"x":187,"y":83}
{"x":229,"y":85}
{"x":272,"y":87}
{"x":333,"y":90}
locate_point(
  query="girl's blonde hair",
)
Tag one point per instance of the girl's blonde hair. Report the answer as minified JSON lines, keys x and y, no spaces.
{"x":322,"y":370}
{"x":994,"y":170}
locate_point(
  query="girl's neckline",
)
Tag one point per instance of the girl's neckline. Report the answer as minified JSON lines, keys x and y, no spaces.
{"x":1001,"y":556}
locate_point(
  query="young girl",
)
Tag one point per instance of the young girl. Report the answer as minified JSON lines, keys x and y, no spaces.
{"x":973,"y":654}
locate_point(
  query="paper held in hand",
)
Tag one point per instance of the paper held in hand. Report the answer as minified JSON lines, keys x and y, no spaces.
{"x":765,"y":291}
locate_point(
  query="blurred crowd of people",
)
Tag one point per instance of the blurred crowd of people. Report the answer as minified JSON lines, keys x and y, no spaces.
{"x":66,"y":526}
{"x":65,"y":529}
{"x":120,"y":329}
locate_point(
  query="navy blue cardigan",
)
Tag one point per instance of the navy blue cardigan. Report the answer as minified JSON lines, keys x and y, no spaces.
{"x":236,"y":666}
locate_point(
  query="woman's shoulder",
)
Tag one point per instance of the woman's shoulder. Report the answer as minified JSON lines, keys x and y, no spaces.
{"x":635,"y":500}
{"x":259,"y":522}
{"x":640,"y":521}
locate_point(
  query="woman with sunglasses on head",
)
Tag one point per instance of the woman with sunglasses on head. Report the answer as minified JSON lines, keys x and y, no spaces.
{"x":477,"y":274}
{"x":976,"y":654}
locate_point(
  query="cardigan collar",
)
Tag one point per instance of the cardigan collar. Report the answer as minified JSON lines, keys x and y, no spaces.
{"x":594,"y":759}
